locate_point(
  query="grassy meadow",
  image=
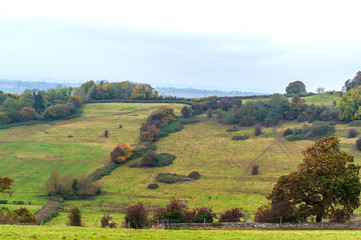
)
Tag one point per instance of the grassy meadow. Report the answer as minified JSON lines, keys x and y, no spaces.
{"x":56,"y":232}
{"x":28,"y":154}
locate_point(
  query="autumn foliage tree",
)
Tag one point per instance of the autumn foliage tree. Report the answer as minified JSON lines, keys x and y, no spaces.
{"x":164,"y":114}
{"x":121,"y":153}
{"x":325,"y":182}
{"x":27,"y":113}
{"x":5,"y":185}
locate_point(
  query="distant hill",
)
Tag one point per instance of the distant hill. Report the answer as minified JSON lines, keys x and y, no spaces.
{"x":198,"y":93}
{"x":12,"y":86}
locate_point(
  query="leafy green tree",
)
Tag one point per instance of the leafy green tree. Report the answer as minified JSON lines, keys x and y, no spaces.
{"x":277,"y":106}
{"x":350,"y":105}
{"x":326,"y":180}
{"x":143,"y":91}
{"x":296,"y":87}
{"x":354,"y":83}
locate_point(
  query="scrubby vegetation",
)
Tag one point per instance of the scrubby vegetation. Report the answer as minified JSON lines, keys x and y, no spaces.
{"x":310,"y":132}
{"x":69,"y":187}
{"x":74,"y":218}
{"x":168,"y":177}
{"x":233,"y":215}
{"x":121,"y":153}
{"x":177,"y":212}
{"x":106,"y":223}
{"x":136,"y":216}
{"x":240,"y":137}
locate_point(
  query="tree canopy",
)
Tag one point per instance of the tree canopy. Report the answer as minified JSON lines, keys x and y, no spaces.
{"x":326,"y":181}
{"x":350,"y":105}
{"x":354,"y":83}
{"x":296,"y":87}
{"x":5,"y":185}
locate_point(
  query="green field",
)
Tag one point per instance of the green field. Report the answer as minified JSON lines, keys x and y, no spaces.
{"x":326,"y":99}
{"x":54,"y":232}
{"x":28,"y":154}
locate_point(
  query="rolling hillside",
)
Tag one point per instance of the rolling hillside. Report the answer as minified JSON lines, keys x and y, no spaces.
{"x":28,"y":154}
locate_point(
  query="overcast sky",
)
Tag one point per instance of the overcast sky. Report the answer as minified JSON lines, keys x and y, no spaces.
{"x":253,"y":45}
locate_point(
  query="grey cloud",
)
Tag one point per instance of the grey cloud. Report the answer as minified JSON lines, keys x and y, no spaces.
{"x":39,"y":48}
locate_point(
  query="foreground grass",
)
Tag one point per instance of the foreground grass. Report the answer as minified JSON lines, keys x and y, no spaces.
{"x":46,"y":232}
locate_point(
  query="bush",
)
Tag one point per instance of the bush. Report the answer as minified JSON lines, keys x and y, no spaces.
{"x":18,"y":202}
{"x":209,"y":113}
{"x":315,"y":131}
{"x":24,"y":216}
{"x":257,"y":130}
{"x":136,"y":216}
{"x":84,"y":187}
{"x":264,"y":214}
{"x":233,"y":129}
{"x":165,"y":159}
{"x":105,"y":222}
{"x":186,"y":111}
{"x":352,"y":133}
{"x":271,"y":213}
{"x":240,"y":137}
{"x":255,"y":170}
{"x":287,"y":132}
{"x":203,"y":214}
{"x":153,"y":186}
{"x":168,"y":177}
{"x":358,"y":144}
{"x":74,"y":218}
{"x":164,"y":114}
{"x":3,"y":201}
{"x":19,"y":216}
{"x":69,"y":187}
{"x":339,"y":216}
{"x":194,"y":175}
{"x":121,"y":153}
{"x":174,"y":211}
{"x":149,"y":131}
{"x":149,"y":159}
{"x":232,"y":215}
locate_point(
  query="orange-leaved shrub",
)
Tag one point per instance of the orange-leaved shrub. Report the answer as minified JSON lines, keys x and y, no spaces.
{"x":121,"y":153}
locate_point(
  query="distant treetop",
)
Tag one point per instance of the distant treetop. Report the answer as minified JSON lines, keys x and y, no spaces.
{"x":296,"y":87}
{"x":354,"y":83}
